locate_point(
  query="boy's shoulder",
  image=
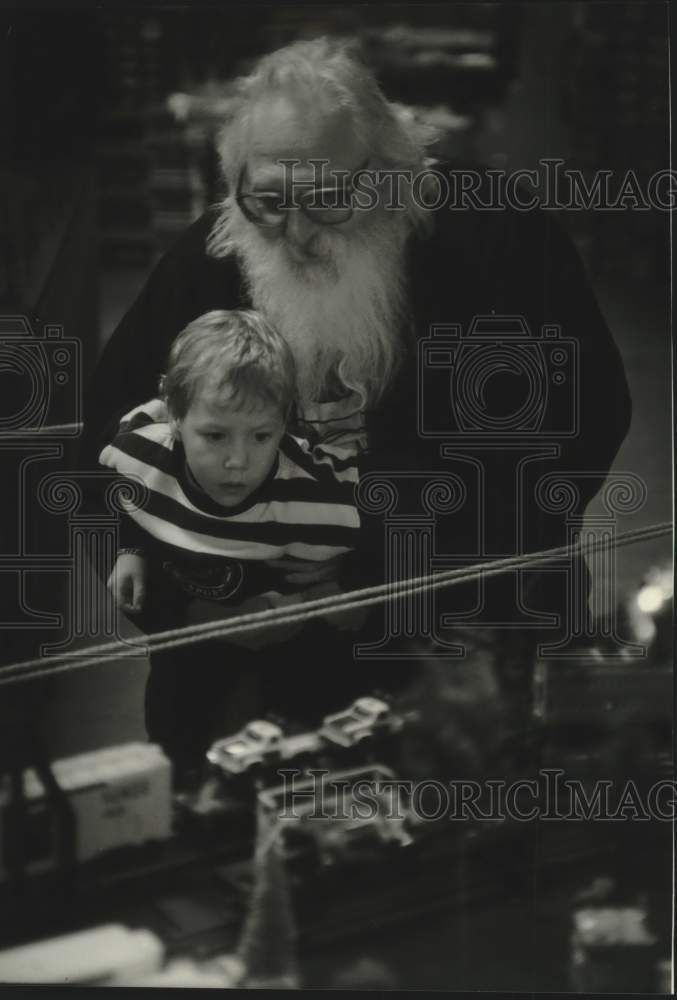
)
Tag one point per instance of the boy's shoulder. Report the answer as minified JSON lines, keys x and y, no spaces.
{"x":294,"y":458}
{"x":152,"y":412}
{"x":144,"y":435}
{"x":322,"y":462}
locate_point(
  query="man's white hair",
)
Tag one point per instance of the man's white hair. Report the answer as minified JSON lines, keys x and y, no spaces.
{"x":344,"y":313}
{"x":329,"y":70}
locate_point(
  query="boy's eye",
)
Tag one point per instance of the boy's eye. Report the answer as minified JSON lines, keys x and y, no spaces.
{"x":213,"y":436}
{"x":263,"y":436}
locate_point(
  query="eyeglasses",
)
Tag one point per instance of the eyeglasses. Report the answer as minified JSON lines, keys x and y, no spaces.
{"x":326,"y":206}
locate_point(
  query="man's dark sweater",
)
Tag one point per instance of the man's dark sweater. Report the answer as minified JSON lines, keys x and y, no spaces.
{"x":476,"y":263}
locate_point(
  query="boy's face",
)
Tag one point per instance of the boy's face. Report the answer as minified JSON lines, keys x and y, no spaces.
{"x":229,"y":450}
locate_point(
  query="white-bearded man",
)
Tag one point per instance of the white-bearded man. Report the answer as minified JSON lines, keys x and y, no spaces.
{"x":353,"y":289}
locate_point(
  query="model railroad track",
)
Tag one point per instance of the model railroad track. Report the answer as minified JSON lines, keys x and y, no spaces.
{"x":446,"y":872}
{"x":56,"y":903}
{"x":446,"y":869}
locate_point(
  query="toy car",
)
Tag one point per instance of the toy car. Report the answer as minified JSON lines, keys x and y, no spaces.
{"x":257,"y":743}
{"x":359,"y":722}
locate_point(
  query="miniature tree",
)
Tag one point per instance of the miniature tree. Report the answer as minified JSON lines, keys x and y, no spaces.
{"x":268,"y":943}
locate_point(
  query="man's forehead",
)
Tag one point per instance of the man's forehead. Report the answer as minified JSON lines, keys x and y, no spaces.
{"x":283,"y":129}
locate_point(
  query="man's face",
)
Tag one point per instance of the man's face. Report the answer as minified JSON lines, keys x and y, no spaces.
{"x":281,"y":130}
{"x":336,"y":293}
{"x":230,"y":450}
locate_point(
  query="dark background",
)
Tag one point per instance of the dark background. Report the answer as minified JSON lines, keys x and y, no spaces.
{"x":89,"y":137}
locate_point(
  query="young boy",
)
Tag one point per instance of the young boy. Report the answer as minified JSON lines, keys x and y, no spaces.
{"x":228,"y":492}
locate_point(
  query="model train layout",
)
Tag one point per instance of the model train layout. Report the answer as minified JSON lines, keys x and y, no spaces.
{"x":89,"y":840}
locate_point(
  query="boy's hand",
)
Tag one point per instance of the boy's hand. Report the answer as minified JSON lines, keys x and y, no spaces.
{"x":127,"y":582}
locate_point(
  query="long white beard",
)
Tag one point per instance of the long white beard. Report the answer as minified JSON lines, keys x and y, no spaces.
{"x":341,"y":314}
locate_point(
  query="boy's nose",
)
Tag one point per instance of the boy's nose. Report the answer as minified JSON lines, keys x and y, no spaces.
{"x":236,"y":457}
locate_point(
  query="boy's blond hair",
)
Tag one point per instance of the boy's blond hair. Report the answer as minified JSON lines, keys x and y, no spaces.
{"x":237,"y":352}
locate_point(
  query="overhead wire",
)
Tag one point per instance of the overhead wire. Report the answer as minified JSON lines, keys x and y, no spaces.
{"x":318,"y":607}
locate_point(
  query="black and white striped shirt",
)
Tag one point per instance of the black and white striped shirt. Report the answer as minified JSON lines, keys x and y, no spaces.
{"x":305,"y":508}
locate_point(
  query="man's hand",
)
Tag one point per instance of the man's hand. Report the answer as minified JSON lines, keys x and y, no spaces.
{"x":307,"y":571}
{"x":127,"y":582}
